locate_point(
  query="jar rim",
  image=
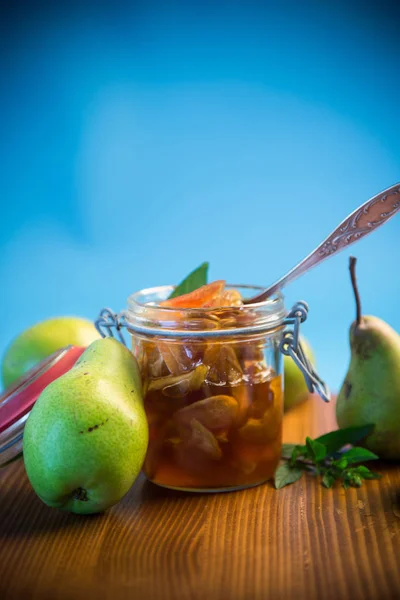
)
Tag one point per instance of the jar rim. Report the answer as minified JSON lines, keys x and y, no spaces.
{"x":144,"y":315}
{"x":133,"y":298}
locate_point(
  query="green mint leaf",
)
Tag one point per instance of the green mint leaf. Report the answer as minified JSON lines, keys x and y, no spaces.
{"x":356,"y":480}
{"x":316,"y":450}
{"x":371,"y":475}
{"x":194,"y":280}
{"x":362,"y":469}
{"x":287,"y":450}
{"x":309,"y":446}
{"x":328,"y":480}
{"x":346,"y":484}
{"x":300,"y":450}
{"x":356,"y":455}
{"x":285,"y":475}
{"x":341,"y":463}
{"x":365,"y":473}
{"x":335,"y":440}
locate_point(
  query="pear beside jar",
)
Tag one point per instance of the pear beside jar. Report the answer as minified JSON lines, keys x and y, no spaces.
{"x":370,"y":393}
{"x":86,"y":437}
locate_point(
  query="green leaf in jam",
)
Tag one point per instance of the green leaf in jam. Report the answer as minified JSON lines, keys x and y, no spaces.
{"x":194,"y":280}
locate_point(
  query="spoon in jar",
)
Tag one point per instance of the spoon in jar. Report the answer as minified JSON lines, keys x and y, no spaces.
{"x":365,"y":219}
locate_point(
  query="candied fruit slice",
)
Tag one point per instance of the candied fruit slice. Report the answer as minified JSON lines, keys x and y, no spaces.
{"x":231,"y":298}
{"x":227,"y":298}
{"x":198,"y":298}
{"x":224,"y":365}
{"x":179,"y":357}
{"x":178,"y":386}
{"x":243,"y":394}
{"x":150,"y":360}
{"x":262,"y":400}
{"x":260,"y":431}
{"x":266,"y":396}
{"x":252,"y":360}
{"x":217,"y":413}
{"x":198,"y":438}
{"x":184,"y":355}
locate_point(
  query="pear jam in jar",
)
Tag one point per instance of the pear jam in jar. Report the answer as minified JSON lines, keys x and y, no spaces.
{"x":212,"y":384}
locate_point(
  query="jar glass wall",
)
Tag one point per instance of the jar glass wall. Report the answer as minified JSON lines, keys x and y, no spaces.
{"x":212,"y":381}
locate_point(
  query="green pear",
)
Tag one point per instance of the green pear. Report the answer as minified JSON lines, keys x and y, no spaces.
{"x":370,"y":393}
{"x":86,"y":437}
{"x":295,"y":387}
{"x":41,"y":340}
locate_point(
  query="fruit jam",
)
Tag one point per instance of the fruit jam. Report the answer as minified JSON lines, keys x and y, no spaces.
{"x":216,"y":425}
{"x":214,"y":403}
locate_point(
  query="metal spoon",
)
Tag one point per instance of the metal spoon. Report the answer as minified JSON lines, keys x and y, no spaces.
{"x":365,"y":219}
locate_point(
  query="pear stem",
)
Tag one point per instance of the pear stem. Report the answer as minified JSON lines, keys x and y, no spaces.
{"x":352,"y":267}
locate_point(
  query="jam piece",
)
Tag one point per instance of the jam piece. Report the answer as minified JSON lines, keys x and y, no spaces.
{"x":178,"y":386}
{"x":216,"y":413}
{"x":196,"y":437}
{"x":203,"y":296}
{"x":224,"y":367}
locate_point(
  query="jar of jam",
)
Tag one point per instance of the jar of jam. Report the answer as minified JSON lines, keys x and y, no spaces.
{"x":213,"y":385}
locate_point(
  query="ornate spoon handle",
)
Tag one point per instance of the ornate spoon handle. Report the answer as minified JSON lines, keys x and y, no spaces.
{"x":365,"y":219}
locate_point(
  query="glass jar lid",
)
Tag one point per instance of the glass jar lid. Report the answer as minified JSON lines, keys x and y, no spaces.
{"x":17,"y":401}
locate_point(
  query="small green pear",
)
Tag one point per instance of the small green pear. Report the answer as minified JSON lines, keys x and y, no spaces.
{"x":41,"y":340}
{"x":370,"y":393}
{"x":295,"y":387}
{"x":86,"y":437}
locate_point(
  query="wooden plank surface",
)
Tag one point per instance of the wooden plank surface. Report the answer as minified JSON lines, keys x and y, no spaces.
{"x":299,"y":542}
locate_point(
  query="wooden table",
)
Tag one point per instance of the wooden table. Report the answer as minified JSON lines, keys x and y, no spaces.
{"x":299,"y":542}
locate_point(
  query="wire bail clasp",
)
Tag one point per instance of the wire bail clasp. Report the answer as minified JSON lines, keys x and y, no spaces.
{"x":291,"y":346}
{"x":108,"y":321}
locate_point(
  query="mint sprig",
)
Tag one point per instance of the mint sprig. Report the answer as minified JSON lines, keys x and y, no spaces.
{"x":287,"y":474}
{"x":335,"y":440}
{"x":194,"y":280}
{"x":329,"y":457}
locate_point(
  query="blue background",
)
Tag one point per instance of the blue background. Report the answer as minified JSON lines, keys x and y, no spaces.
{"x":139,"y":139}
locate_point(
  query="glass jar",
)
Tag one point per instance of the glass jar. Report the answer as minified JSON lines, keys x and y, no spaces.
{"x":213,"y":390}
